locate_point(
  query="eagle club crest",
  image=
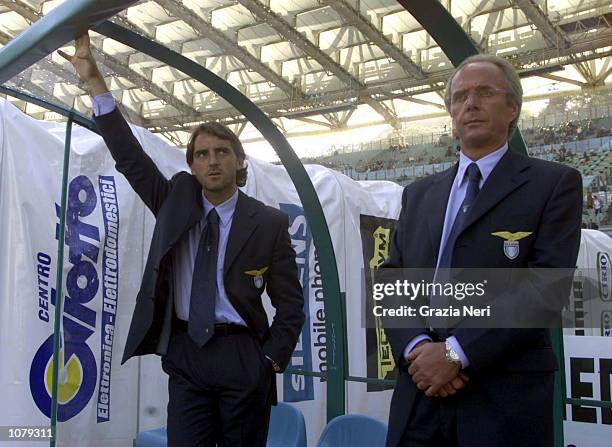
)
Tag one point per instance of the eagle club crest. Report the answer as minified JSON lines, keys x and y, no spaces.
{"x":511,"y":241}
{"x":257,"y":276}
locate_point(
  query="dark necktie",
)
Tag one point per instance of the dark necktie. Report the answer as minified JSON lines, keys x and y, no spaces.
{"x":204,"y":285}
{"x":442,"y":271}
{"x":473,"y":175}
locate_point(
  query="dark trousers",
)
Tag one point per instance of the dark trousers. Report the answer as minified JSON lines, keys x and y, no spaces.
{"x":515,"y":411}
{"x":432,"y":423}
{"x":219,"y":394}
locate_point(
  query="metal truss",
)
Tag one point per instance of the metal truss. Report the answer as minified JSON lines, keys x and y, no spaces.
{"x":288,"y":32}
{"x":580,"y":51}
{"x":552,"y":33}
{"x":355,"y":18}
{"x":568,"y":41}
{"x":31,"y":15}
{"x":206,"y":30}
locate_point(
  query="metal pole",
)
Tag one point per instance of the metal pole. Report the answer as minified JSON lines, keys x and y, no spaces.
{"x":58,"y":284}
{"x":560,"y":395}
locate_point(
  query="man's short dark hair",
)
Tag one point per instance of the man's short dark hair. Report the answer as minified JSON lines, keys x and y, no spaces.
{"x":224,"y":133}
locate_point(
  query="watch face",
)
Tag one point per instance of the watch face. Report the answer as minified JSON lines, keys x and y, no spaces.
{"x":451,"y":354}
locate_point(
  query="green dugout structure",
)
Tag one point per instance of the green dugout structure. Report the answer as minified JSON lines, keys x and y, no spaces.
{"x":74,"y":17}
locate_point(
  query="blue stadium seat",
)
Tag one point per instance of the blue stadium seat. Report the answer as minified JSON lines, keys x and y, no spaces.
{"x":151,"y":438}
{"x":287,"y":427}
{"x":354,"y":430}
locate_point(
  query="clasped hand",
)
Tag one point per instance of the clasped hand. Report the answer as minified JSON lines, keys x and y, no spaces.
{"x":432,"y":373}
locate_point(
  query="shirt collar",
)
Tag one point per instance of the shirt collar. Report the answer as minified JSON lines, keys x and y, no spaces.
{"x":486,"y":164}
{"x":225,"y":209}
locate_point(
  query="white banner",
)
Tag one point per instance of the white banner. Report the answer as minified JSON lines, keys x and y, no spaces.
{"x":588,"y":375}
{"x":108,"y":233}
{"x":591,"y":301}
{"x":97,"y":397}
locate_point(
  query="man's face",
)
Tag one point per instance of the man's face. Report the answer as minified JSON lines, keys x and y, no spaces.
{"x":480,"y":110}
{"x":215,"y":165}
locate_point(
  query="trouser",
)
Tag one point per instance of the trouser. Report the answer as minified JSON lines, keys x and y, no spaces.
{"x":219,"y":394}
{"x":433,"y":423}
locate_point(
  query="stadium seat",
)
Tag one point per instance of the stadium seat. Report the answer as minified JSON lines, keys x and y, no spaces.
{"x":354,"y":430}
{"x":151,"y":438}
{"x":287,"y":429}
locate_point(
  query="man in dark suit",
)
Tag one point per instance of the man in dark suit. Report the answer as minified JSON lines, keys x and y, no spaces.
{"x":496,"y":208}
{"x":214,"y":250}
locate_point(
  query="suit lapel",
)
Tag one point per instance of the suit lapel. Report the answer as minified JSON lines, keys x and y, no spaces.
{"x":184,"y":216}
{"x":197,"y":208}
{"x":437,"y":198}
{"x":506,"y":177}
{"x":243,"y":225}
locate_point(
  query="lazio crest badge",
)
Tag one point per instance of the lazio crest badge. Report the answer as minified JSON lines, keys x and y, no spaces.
{"x":257,"y":276}
{"x":511,"y":241}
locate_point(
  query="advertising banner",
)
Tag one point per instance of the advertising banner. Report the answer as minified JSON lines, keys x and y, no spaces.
{"x":108,"y":231}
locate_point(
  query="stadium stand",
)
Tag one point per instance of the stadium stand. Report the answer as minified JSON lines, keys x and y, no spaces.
{"x":583,"y":144}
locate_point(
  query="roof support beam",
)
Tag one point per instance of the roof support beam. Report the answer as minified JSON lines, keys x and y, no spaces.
{"x":31,"y":15}
{"x":400,"y":89}
{"x":23,"y":9}
{"x":380,"y":108}
{"x":126,"y":23}
{"x":240,"y":128}
{"x":355,"y":18}
{"x":25,"y":83}
{"x":174,"y":139}
{"x":425,"y":103}
{"x":562,"y":79}
{"x":332,"y":118}
{"x":316,"y":122}
{"x":206,"y":30}
{"x":600,"y":79}
{"x":345,"y":119}
{"x":585,"y":70}
{"x":141,"y":81}
{"x":553,"y":34}
{"x":265,"y":14}
{"x":69,"y":78}
{"x":47,"y":64}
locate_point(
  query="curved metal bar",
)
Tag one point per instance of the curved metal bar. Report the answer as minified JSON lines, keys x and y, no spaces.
{"x":76,"y":117}
{"x":451,"y":38}
{"x":313,"y":211}
{"x":61,"y":25}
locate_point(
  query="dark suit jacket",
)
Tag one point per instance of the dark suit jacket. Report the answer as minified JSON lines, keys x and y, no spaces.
{"x":258,"y":238}
{"x":509,"y":395}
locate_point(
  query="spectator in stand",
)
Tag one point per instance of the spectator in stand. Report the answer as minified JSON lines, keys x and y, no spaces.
{"x":597,"y":205}
{"x":589,"y":201}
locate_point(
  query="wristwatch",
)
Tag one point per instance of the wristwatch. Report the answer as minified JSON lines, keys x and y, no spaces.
{"x":451,"y":355}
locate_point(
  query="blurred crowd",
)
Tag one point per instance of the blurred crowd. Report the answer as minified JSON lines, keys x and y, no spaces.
{"x":557,"y":143}
{"x":566,"y":132}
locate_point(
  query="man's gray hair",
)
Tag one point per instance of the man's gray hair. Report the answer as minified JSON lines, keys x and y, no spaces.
{"x":515,"y":90}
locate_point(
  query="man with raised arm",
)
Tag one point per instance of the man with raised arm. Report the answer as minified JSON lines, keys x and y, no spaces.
{"x":214,"y":251}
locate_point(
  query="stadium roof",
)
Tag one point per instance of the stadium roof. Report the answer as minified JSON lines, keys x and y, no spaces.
{"x":323,"y":65}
